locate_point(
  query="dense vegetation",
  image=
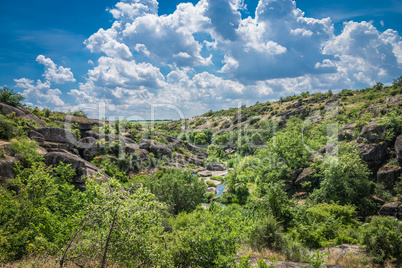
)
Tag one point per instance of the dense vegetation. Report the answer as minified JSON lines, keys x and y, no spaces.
{"x":151,"y":216}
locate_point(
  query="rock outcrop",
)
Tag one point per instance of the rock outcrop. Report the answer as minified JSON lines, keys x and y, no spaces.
{"x":157,"y":148}
{"x":21,"y":112}
{"x":398,"y":148}
{"x":6,"y":168}
{"x":58,"y":135}
{"x":392,"y":210}
{"x":82,"y":167}
{"x":374,"y":154}
{"x":304,"y":176}
{"x":347,"y":132}
{"x":215,"y":167}
{"x":84,"y":124}
{"x":388,"y":175}
{"x":372,"y":133}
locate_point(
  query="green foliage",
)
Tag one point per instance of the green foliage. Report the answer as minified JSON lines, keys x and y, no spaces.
{"x":344,"y":178}
{"x":266,"y":232}
{"x":10,"y":97}
{"x":177,"y":188}
{"x":207,"y":238}
{"x":36,"y":216}
{"x":8,"y":128}
{"x":393,"y":123}
{"x":117,"y":227}
{"x":317,"y":260}
{"x":78,"y":113}
{"x":320,"y":224}
{"x":382,"y":238}
{"x":27,"y":150}
{"x":111,"y":169}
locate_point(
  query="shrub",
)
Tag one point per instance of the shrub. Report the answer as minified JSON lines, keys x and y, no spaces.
{"x":344,"y":178}
{"x":266,"y":233}
{"x":8,"y":128}
{"x":382,"y":238}
{"x":9,"y":97}
{"x":179,"y":189}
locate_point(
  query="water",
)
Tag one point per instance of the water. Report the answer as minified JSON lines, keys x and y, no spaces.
{"x":220,"y":188}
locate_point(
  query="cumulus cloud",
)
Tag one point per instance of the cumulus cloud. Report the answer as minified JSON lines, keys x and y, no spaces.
{"x":58,"y":75}
{"x":208,"y":56}
{"x":41,"y":93}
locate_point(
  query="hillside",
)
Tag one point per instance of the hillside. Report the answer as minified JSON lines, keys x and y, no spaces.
{"x":302,"y":174}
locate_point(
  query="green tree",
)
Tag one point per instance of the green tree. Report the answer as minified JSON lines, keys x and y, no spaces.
{"x":117,"y":226}
{"x":179,"y":189}
{"x":9,"y":97}
{"x":344,"y":178}
{"x":207,"y":238}
{"x":382,"y":237}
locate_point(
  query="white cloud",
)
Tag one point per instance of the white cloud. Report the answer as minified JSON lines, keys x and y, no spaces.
{"x":40,"y":93}
{"x":52,"y":73}
{"x":207,"y":56}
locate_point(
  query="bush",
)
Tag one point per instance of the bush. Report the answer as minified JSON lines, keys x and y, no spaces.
{"x":266,"y":233}
{"x":344,"y":178}
{"x":179,"y":189}
{"x":9,"y":97}
{"x":382,"y":238}
{"x":8,"y":128}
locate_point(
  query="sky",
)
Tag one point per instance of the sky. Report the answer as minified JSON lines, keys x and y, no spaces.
{"x":144,"y":59}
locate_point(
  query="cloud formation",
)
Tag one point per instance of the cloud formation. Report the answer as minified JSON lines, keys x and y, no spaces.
{"x":208,"y":56}
{"x":53,"y":74}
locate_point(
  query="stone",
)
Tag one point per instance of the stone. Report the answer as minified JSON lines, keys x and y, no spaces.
{"x":36,"y":136}
{"x":387,"y":175}
{"x":375,"y":152}
{"x":398,"y":148}
{"x":88,"y":147}
{"x":205,"y":173}
{"x":295,"y":173}
{"x":82,"y":167}
{"x":305,"y":176}
{"x":6,"y":168}
{"x":230,"y":151}
{"x":21,"y":112}
{"x":211,"y":190}
{"x":215,"y":167}
{"x":331,"y":149}
{"x":84,"y":124}
{"x":157,"y":148}
{"x":347,"y":132}
{"x":389,"y":209}
{"x":372,"y":133}
{"x":58,"y":135}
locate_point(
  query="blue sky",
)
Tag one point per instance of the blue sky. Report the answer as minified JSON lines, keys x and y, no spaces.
{"x":180,"y":59}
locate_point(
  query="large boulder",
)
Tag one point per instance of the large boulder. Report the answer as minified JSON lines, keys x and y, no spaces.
{"x":374,"y":154}
{"x":205,"y":173}
{"x":372,"y":133}
{"x":347,"y":132}
{"x":36,"y":136}
{"x":331,"y":149}
{"x":88,"y":147}
{"x":21,"y":112}
{"x":58,"y":135}
{"x":6,"y":167}
{"x":177,"y":142}
{"x":82,"y":167}
{"x":398,"y":148}
{"x":305,"y":176}
{"x":215,"y":167}
{"x":84,"y":124}
{"x":157,"y":148}
{"x":390,"y":209}
{"x":387,"y":175}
